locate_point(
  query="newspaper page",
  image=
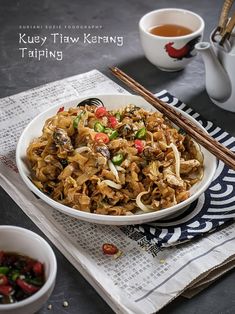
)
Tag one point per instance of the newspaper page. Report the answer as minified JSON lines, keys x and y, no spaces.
{"x":145,"y":277}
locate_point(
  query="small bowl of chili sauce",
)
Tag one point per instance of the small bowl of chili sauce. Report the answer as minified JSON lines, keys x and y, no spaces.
{"x":20,"y":277}
{"x":27,"y":270}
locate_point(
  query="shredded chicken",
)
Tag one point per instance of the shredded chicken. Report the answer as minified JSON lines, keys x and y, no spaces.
{"x":188,"y":165}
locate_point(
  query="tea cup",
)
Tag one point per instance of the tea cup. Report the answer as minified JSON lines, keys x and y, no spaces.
{"x":170,"y":53}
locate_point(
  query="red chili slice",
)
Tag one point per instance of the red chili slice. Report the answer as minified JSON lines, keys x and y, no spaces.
{"x":139,"y":145}
{"x":112,"y":121}
{"x":101,"y":112}
{"x":109,"y":249}
{"x":29,"y":266}
{"x":3,"y":280}
{"x":26,"y":287}
{"x":38,"y":268}
{"x":6,"y":290}
{"x":101,"y":137}
{"x":60,"y":110}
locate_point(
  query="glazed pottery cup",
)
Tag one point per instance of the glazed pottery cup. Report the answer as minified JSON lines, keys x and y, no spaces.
{"x":171,"y":53}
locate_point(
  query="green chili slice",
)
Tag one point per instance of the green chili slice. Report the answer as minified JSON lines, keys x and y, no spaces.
{"x":15,"y":274}
{"x":98,"y":127}
{"x":4,"y":270}
{"x":141,"y":133}
{"x":77,"y":119}
{"x":118,"y":116}
{"x":108,"y":131}
{"x":34,"y":281}
{"x":113,"y":135}
{"x":118,"y":159}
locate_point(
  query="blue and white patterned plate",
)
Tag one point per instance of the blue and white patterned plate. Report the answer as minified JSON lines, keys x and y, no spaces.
{"x":213,"y":209}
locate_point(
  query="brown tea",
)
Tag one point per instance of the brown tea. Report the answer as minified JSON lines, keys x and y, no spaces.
{"x":170,"y":30}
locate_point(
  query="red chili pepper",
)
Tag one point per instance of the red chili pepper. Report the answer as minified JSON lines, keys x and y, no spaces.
{"x":38,"y":268}
{"x":3,"y":280}
{"x":112,"y":121}
{"x":139,"y":145}
{"x":109,"y":249}
{"x":6,"y":290}
{"x":101,"y":112}
{"x":60,"y":110}
{"x":101,"y":137}
{"x":26,"y":287}
{"x":29,"y":266}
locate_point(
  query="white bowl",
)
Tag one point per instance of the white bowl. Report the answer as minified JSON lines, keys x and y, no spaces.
{"x":26,"y":242}
{"x":34,"y":128}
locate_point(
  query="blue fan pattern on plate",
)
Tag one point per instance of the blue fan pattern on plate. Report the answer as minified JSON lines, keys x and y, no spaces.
{"x":214,"y":208}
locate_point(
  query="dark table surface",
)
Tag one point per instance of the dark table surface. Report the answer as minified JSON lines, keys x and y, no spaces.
{"x":116,"y":18}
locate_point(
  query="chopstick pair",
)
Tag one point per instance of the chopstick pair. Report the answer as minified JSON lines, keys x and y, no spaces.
{"x":228,"y":30}
{"x":224,"y":28}
{"x":203,"y":138}
{"x":223,"y":20}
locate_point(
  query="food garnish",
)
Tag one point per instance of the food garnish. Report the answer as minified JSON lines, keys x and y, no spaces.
{"x":61,"y":109}
{"x":98,"y":127}
{"x":102,"y":137}
{"x":109,"y":249}
{"x":118,"y":116}
{"x":101,"y":112}
{"x":118,"y":159}
{"x":139,"y":145}
{"x":141,"y":134}
{"x":20,"y":277}
{"x":112,"y":121}
{"x":77,"y":119}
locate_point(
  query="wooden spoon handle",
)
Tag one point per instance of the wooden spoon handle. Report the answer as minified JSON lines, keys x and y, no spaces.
{"x":224,"y":14}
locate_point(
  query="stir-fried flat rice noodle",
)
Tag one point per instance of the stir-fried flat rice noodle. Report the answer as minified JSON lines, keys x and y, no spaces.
{"x":114,"y":162}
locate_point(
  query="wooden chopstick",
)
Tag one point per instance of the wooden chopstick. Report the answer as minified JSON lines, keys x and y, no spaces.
{"x":224,"y":15}
{"x":223,"y":18}
{"x":203,"y":138}
{"x":228,"y":30}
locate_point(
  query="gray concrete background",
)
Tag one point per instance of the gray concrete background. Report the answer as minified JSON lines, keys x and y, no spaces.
{"x":116,"y":18}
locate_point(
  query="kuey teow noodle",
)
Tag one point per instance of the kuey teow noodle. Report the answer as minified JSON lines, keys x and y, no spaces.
{"x":114,"y":162}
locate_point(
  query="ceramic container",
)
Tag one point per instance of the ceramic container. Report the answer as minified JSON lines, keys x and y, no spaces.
{"x":26,"y":242}
{"x":170,"y":53}
{"x":219,"y":71}
{"x":33,"y":130}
